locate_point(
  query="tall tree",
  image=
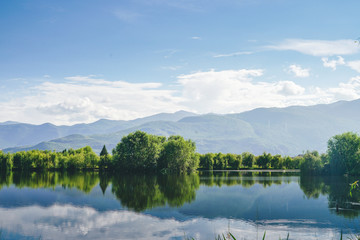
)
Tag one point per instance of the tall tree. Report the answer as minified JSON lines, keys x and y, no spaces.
{"x":104,"y":158}
{"x":178,"y":154}
{"x":264,"y":160}
{"x":137,"y":151}
{"x":104,"y":151}
{"x":248,"y":159}
{"x":344,"y":153}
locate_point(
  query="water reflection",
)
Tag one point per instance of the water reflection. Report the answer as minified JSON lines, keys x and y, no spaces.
{"x":92,"y":202}
{"x":337,"y":190}
{"x":142,"y":192}
{"x":245,"y":179}
{"x":82,"y":181}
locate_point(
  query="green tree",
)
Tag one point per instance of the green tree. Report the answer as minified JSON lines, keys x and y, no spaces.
{"x":311,"y":164}
{"x":276,"y":161}
{"x":264,"y":160}
{"x":296,"y":162}
{"x":137,"y":151}
{"x":76,"y":161}
{"x":344,"y":154}
{"x":220,"y":161}
{"x":287,"y":162}
{"x":91,"y":160}
{"x":5,"y":161}
{"x":104,"y":151}
{"x":248,"y":159}
{"x":104,"y":158}
{"x":207,"y":161}
{"x":178,"y":154}
{"x":63,"y":160}
{"x":233,"y":160}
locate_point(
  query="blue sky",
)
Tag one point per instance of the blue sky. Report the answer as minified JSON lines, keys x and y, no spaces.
{"x":76,"y":61}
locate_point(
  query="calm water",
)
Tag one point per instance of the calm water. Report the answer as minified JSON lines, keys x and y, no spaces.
{"x":93,"y":206}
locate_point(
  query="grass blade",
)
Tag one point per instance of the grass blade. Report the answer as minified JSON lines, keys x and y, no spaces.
{"x":232,"y":236}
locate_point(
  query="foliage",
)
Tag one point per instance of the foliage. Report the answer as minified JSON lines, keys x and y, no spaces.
{"x":140,"y":151}
{"x":5,"y":161}
{"x":276,"y":162}
{"x":344,"y":153}
{"x":137,"y":151}
{"x":248,"y":159}
{"x":177,"y":154}
{"x":207,"y":161}
{"x":105,"y":159}
{"x":311,"y":163}
{"x":264,"y":160}
{"x":233,"y":160}
{"x":220,"y":162}
{"x":82,"y":158}
{"x":104,"y":151}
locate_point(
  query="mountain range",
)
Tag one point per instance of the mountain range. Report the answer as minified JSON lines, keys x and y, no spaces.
{"x":286,"y":131}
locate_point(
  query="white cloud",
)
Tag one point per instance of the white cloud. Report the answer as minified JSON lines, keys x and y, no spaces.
{"x":355,"y":65}
{"x":347,"y":91}
{"x":333,"y":63}
{"x":232,"y":54}
{"x":289,"y":88}
{"x":318,"y":47}
{"x":234,"y":91}
{"x":298,"y":71}
{"x":196,"y":38}
{"x":87,"y":98}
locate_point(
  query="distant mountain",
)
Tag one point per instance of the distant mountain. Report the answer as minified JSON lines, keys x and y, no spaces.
{"x":13,"y":134}
{"x":287,"y":131}
{"x":74,"y":141}
{"x":8,"y":123}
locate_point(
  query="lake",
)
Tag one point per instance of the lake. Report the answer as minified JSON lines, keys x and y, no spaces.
{"x":90,"y":205}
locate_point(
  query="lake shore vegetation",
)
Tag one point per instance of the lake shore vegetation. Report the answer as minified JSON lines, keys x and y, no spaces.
{"x":143,"y":152}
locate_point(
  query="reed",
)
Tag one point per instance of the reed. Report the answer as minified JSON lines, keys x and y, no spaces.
{"x":230,"y":236}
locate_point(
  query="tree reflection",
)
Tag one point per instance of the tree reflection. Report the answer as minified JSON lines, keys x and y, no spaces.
{"x":137,"y":192}
{"x":340,"y":200}
{"x":105,"y":178}
{"x":84,"y":181}
{"x":245,"y":179}
{"x":141,"y":192}
{"x":337,"y":189}
{"x":179,"y":189}
{"x":5,"y":178}
{"x":313,"y":186}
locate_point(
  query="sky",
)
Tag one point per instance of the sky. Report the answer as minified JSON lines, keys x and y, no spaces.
{"x":74,"y":61}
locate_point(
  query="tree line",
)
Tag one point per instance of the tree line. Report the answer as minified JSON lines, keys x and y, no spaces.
{"x":140,"y":151}
{"x":137,"y":151}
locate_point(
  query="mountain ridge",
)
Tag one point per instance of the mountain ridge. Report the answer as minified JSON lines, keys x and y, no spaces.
{"x":287,"y":131}
{"x":20,"y":134}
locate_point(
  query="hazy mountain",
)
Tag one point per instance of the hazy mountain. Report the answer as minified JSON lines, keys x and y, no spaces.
{"x":290,"y":130}
{"x":8,"y":123}
{"x":13,"y":134}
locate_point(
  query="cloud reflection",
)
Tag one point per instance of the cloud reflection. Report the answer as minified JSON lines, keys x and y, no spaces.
{"x":70,"y":222}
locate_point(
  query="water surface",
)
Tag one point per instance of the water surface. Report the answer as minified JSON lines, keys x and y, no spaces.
{"x":88,"y":205}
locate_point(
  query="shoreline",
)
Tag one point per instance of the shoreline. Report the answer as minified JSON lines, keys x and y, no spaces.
{"x":254,"y":170}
